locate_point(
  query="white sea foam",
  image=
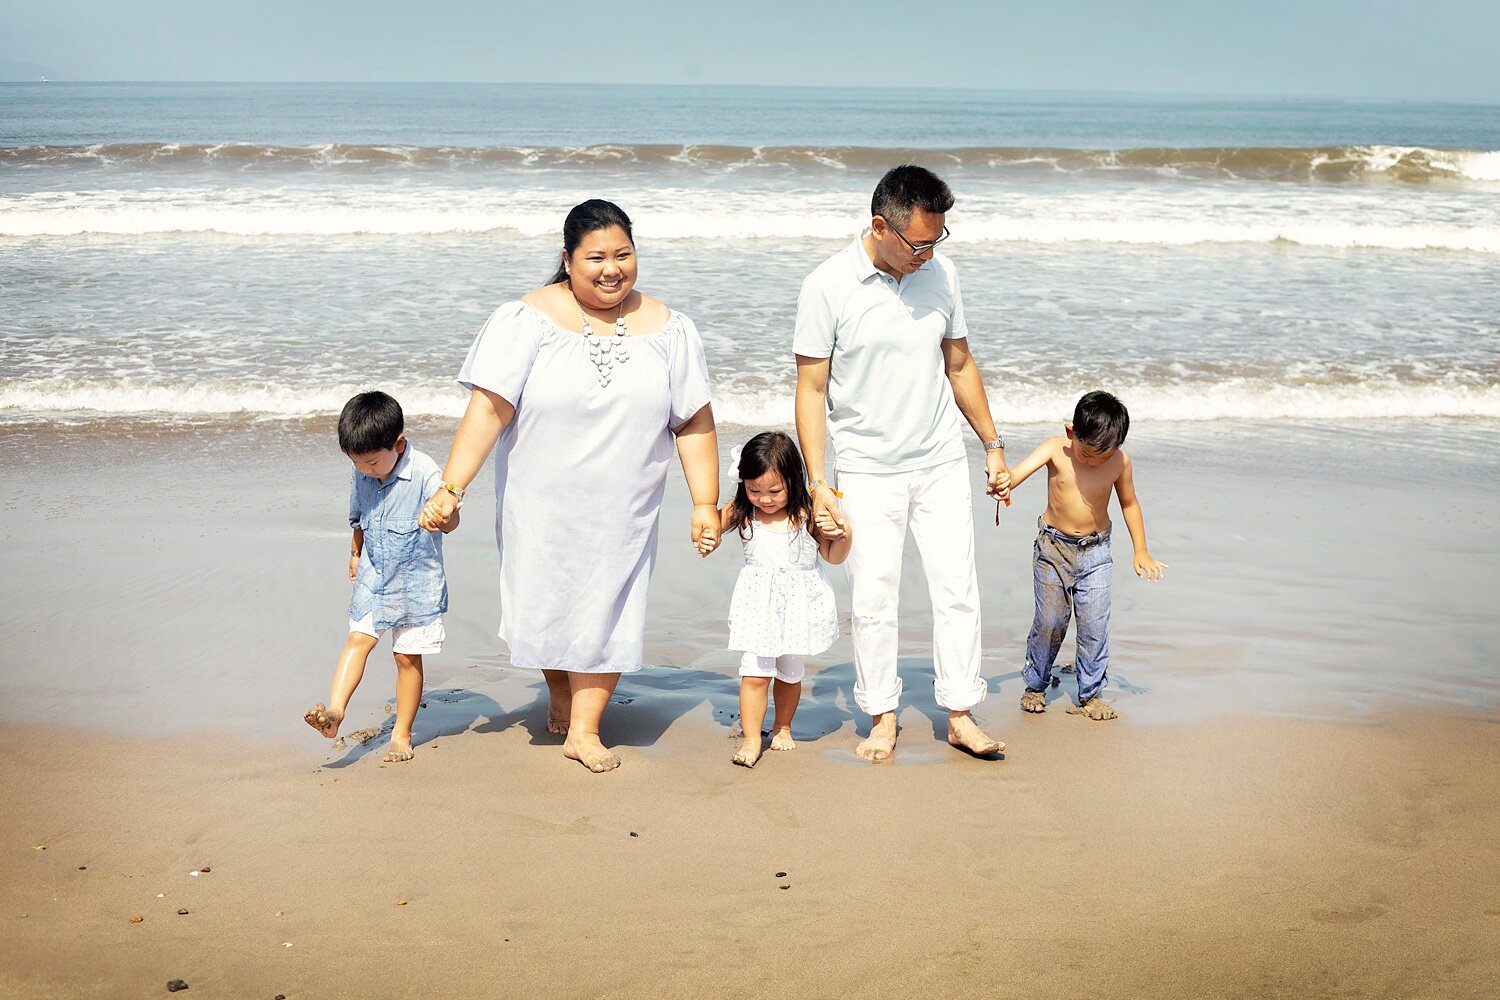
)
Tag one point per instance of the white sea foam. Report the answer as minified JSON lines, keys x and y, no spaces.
{"x":1234,"y":399}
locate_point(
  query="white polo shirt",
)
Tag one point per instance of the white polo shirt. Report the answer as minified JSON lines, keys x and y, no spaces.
{"x":890,"y":407}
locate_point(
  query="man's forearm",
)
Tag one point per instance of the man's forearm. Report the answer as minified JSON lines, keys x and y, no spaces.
{"x":812,"y":430}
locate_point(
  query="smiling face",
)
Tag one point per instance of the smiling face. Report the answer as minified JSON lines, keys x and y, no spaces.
{"x":767,"y":493}
{"x":379,"y":464}
{"x":602,"y":268}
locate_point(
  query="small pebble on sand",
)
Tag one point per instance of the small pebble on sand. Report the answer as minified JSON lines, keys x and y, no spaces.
{"x":205,"y":869}
{"x":182,"y":913}
{"x":400,"y":902}
{"x":136,"y":918}
{"x":176,"y":985}
{"x":781,"y":874}
{"x":634,"y":834}
{"x":83,"y":868}
{"x":38,"y":847}
{"x":786,"y":885}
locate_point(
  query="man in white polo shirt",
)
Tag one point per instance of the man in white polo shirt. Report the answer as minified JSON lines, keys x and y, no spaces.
{"x":884,"y":370}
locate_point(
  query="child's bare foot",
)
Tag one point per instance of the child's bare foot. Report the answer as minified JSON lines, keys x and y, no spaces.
{"x":749,"y":752}
{"x":881,"y":742}
{"x":1034,"y":701}
{"x":588,"y":751}
{"x":964,"y":733}
{"x":323,"y":720}
{"x":782,"y":740}
{"x":1095,"y":708}
{"x":400,"y":750}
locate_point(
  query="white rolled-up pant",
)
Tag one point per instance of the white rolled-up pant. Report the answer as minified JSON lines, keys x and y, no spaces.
{"x":936,"y":504}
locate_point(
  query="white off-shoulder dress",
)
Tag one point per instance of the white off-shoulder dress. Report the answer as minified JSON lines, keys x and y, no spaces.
{"x":579,"y":478}
{"x":782,"y":603}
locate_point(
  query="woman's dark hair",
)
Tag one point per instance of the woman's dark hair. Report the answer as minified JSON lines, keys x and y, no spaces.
{"x":588,"y":217}
{"x":371,"y":421}
{"x":1101,"y":421}
{"x":908,"y":187}
{"x":771,"y":451}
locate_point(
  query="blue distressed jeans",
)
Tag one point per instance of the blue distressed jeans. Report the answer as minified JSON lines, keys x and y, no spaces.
{"x":1070,"y":577}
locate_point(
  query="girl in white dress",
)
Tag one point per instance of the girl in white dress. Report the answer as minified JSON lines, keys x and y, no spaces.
{"x":782,"y":609}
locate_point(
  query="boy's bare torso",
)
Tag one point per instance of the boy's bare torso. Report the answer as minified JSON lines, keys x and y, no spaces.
{"x":1078,"y":494}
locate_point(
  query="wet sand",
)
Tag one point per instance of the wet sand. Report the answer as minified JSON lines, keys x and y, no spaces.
{"x":1299,"y":800}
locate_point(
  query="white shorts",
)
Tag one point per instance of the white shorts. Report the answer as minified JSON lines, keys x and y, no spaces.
{"x":784,"y":668}
{"x":411,"y":639}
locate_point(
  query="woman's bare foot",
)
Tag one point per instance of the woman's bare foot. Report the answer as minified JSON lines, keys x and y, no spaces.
{"x":400,"y":750}
{"x":323,"y":720}
{"x":1095,"y":708}
{"x":749,"y":752}
{"x":881,"y":742}
{"x":781,"y":739}
{"x":558,"y":715}
{"x":1034,"y":701}
{"x":588,"y":751}
{"x":964,"y":733}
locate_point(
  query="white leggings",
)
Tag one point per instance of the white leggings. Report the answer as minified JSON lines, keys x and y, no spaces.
{"x":784,"y":668}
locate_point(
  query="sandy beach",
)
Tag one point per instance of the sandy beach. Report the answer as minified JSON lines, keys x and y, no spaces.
{"x":1298,"y":801}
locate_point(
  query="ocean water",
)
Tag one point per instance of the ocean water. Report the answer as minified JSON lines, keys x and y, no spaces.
{"x":229,"y":252}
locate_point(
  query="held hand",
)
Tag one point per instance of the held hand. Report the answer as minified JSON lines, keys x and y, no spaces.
{"x":437,"y":511}
{"x":705,"y":528}
{"x":1149,"y":568}
{"x":997,"y":476}
{"x":827,"y":517}
{"x":353,"y":568}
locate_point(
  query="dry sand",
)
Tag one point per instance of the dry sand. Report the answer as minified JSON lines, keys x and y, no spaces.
{"x":1270,"y":818}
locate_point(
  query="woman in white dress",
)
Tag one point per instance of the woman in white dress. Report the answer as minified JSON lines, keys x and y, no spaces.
{"x":581,"y":388}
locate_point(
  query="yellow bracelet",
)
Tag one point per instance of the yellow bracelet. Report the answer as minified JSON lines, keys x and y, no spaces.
{"x":457,"y":491}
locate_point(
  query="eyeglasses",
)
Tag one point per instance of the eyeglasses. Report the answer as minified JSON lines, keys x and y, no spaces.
{"x":918,"y":249}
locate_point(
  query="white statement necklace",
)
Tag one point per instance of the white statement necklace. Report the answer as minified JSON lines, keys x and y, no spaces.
{"x":606,"y":352}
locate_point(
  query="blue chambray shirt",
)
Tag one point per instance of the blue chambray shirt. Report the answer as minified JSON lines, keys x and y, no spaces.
{"x":400,"y":576}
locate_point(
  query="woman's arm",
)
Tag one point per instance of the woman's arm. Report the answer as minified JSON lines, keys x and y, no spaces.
{"x":698,"y":450}
{"x":487,"y":416}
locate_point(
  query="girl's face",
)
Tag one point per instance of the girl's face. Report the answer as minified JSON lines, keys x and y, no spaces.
{"x":767,"y":493}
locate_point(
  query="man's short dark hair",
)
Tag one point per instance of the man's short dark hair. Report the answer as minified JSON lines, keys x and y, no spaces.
{"x":909,"y":187}
{"x":1101,"y":421}
{"x":371,"y":421}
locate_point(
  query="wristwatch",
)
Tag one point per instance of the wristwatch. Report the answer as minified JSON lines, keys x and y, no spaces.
{"x":457,"y":491}
{"x":996,"y":445}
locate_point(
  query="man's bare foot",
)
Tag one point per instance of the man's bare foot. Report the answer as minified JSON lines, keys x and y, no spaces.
{"x":964,"y":733}
{"x":1034,"y":701}
{"x":749,"y":752}
{"x":323,"y":720}
{"x":781,"y":739}
{"x":400,"y":750}
{"x":1095,"y":708}
{"x":588,"y":751}
{"x":881,"y":742}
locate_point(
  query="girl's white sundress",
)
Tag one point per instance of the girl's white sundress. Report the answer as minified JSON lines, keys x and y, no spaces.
{"x":783,"y":602}
{"x":579,"y":478}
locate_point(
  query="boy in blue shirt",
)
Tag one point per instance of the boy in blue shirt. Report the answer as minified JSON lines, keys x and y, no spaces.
{"x":396,"y":567}
{"x":1071,"y":559}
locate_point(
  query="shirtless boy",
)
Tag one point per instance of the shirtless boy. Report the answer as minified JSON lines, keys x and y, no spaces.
{"x":1071,"y":560}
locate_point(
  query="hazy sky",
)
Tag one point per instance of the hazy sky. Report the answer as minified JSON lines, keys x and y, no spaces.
{"x":1441,"y":49}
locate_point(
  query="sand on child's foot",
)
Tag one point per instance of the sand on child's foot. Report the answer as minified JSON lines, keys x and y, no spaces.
{"x":1095,"y":708}
{"x":324,"y":721}
{"x":749,"y":753}
{"x":782,"y":740}
{"x":400,"y":750}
